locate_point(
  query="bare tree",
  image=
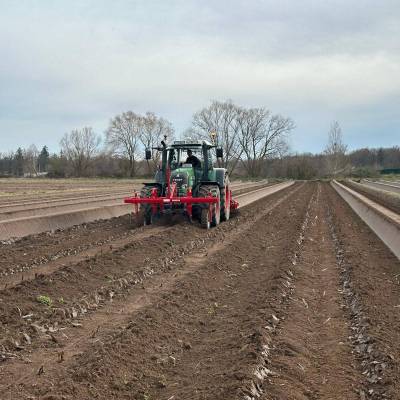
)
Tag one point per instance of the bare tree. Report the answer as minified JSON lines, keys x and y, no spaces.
{"x":335,"y":150}
{"x":153,"y":131}
{"x":261,"y":136}
{"x":79,"y":147}
{"x":220,"y":118}
{"x":123,"y":135}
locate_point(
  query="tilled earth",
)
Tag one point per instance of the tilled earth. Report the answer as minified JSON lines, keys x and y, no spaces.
{"x":31,"y":214}
{"x":294,"y":298}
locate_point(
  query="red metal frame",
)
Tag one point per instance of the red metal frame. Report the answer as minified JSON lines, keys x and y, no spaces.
{"x":234,"y":204}
{"x":158,"y":202}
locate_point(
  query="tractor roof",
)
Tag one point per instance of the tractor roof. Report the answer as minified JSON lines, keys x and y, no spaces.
{"x":190,"y":143}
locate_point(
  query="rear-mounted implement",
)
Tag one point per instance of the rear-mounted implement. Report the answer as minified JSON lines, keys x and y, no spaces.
{"x":159,"y":204}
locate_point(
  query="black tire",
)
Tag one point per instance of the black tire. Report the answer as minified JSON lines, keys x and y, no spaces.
{"x":205,"y":218}
{"x":204,"y":191}
{"x":216,"y":215}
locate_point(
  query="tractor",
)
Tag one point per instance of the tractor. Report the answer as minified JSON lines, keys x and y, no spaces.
{"x":186,"y":183}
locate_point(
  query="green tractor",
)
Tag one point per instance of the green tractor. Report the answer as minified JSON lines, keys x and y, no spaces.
{"x":186,"y":183}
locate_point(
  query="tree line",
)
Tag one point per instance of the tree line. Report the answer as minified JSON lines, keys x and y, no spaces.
{"x":254,"y":140}
{"x":335,"y":161}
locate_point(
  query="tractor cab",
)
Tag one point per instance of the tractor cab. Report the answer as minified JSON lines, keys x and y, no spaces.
{"x":186,"y":157}
{"x":195,"y":153}
{"x":186,"y":163}
{"x":189,"y":163}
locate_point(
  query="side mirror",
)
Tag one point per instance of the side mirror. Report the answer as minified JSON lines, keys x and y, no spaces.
{"x":220,"y":152}
{"x":148,"y":154}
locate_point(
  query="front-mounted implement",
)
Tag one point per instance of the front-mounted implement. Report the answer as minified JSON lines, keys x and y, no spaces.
{"x":186,"y":183}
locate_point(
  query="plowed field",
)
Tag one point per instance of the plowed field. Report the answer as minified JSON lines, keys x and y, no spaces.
{"x":292,"y":298}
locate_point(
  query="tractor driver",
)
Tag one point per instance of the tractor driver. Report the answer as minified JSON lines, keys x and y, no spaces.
{"x":191,"y":159}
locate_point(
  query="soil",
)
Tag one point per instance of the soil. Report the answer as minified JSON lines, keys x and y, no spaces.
{"x":29,"y":190}
{"x":294,"y":298}
{"x":24,"y":258}
{"x":31,"y":252}
{"x":373,"y":286}
{"x":31,"y":215}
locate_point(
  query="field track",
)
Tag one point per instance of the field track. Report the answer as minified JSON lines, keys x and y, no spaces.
{"x":293,"y":298}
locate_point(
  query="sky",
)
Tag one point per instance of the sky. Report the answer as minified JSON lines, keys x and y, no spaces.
{"x":69,"y":64}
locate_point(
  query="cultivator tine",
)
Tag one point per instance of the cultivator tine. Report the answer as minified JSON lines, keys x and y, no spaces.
{"x":189,"y":206}
{"x":135,"y":205}
{"x":154,"y":206}
{"x":210,"y":207}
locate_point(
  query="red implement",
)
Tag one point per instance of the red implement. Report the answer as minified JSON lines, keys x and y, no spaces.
{"x":159,"y":202}
{"x":234,"y":203}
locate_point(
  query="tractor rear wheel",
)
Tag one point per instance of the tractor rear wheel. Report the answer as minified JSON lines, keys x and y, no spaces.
{"x":205,"y":219}
{"x":216,"y":215}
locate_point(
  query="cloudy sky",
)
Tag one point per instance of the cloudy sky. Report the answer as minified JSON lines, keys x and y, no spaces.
{"x":67,"y":64}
